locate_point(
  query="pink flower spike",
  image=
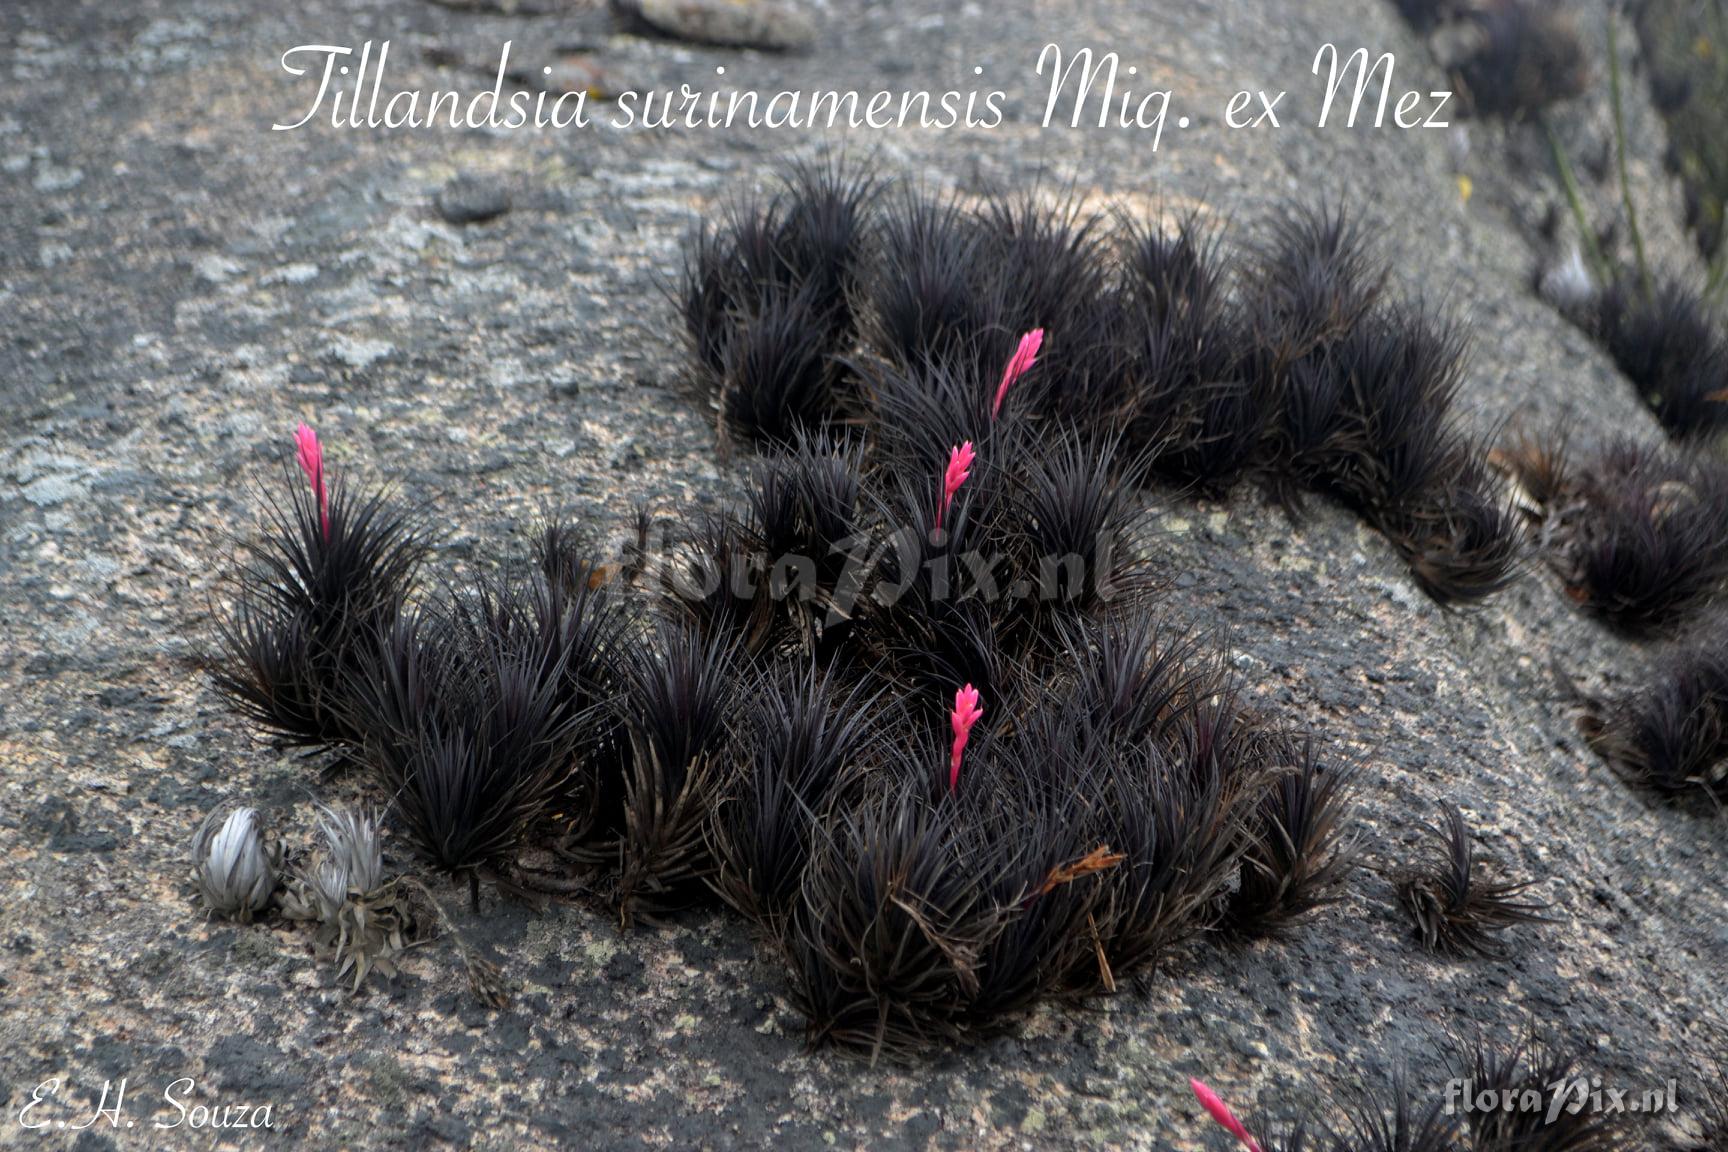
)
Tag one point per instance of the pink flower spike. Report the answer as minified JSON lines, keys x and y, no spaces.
{"x":1221,"y":1113}
{"x":1024,"y":357}
{"x":312,"y":463}
{"x":959,"y":469}
{"x":967,"y":709}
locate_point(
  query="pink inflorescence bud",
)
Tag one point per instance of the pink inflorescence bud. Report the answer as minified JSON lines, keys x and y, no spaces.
{"x":967,"y":710}
{"x":1221,"y":1113}
{"x":1024,"y":357}
{"x":959,"y":469}
{"x":312,"y":463}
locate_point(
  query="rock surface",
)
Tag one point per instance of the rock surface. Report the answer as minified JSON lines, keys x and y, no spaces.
{"x":182,"y":285}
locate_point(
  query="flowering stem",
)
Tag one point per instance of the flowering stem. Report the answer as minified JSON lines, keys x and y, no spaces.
{"x":1221,"y":1113}
{"x":959,"y":470}
{"x":967,"y":709}
{"x":312,"y":463}
{"x":1025,"y":355}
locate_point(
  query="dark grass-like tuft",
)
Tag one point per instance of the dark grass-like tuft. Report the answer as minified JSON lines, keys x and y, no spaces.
{"x":1299,"y":854}
{"x":307,"y":601}
{"x":727,"y":271}
{"x":1190,"y":399}
{"x":1043,"y":864}
{"x":1166,"y":270}
{"x":1404,"y":365}
{"x":802,"y":741}
{"x":1182,"y":760}
{"x":588,"y":628}
{"x":715,"y":576}
{"x":681,"y":685}
{"x":1464,"y":543}
{"x":931,"y":613}
{"x":1136,"y":676}
{"x":1174,"y":817}
{"x":1637,"y":531}
{"x":777,"y":375}
{"x":1669,"y":343}
{"x":1671,"y":736}
{"x":921,"y":412}
{"x":1530,"y":1070}
{"x":1311,"y":282}
{"x":1527,"y":56}
{"x":1042,"y":264}
{"x":1362,"y":1118}
{"x":783,"y":573}
{"x":927,"y":304}
{"x":806,"y":512}
{"x":767,"y":300}
{"x":1366,"y":413}
{"x":886,"y":940}
{"x":469,"y":723}
{"x":824,"y":231}
{"x":1395,"y":1122}
{"x":1457,"y":911}
{"x":1079,"y":506}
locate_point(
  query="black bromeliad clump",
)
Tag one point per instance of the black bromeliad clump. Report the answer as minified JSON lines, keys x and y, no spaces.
{"x":1669,"y":342}
{"x":1044,"y":856}
{"x":924,"y":296}
{"x":334,"y":565}
{"x":469,"y":723}
{"x":802,"y":746}
{"x":1529,"y":1094}
{"x":909,"y":704}
{"x":1183,"y":356}
{"x":767,"y":302}
{"x":1359,"y":1119}
{"x":1534,"y":1068}
{"x":1671,"y":735}
{"x":1299,"y":856}
{"x":1637,"y":532}
{"x":1457,"y":910}
{"x":681,"y":685}
{"x":1299,"y":368}
{"x":1363,"y":391}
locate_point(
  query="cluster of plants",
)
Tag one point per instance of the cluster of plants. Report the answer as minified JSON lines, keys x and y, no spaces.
{"x":1670,"y":734}
{"x":1660,"y":326}
{"x":1636,"y":531}
{"x":1522,"y":1095}
{"x":1667,"y":337}
{"x":841,"y":301}
{"x":939,"y":800}
{"x":1459,"y":909}
{"x":911,"y":705}
{"x":362,"y":921}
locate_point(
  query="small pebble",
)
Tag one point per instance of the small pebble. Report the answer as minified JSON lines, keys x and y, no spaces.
{"x":772,"y":24}
{"x":471,"y":200}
